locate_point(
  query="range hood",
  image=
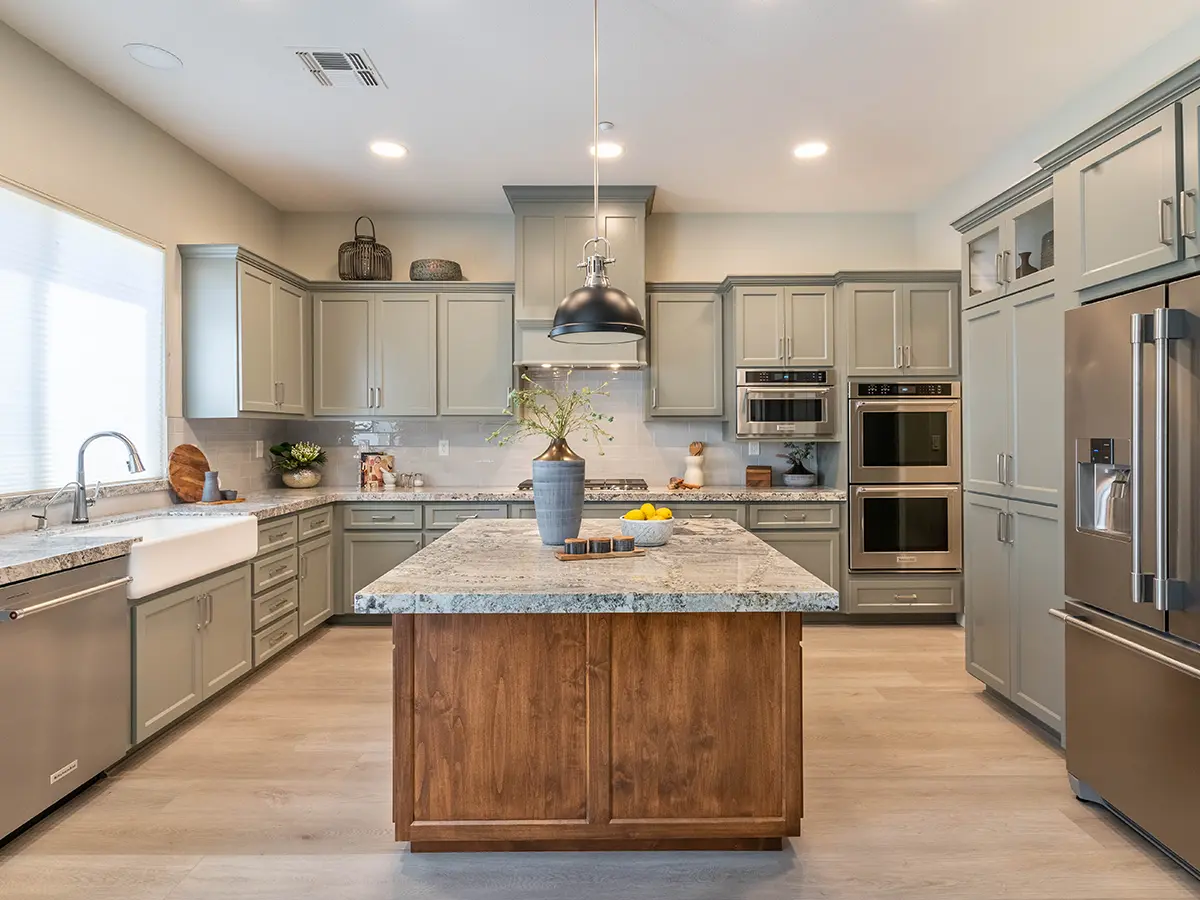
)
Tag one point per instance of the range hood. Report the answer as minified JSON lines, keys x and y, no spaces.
{"x":552,"y":223}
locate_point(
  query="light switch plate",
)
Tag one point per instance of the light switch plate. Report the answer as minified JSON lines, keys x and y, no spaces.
{"x":755,"y":448}
{"x":258,"y":449}
{"x":443,"y":448}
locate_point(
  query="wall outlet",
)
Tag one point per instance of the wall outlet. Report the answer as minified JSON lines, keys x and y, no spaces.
{"x":258,"y":449}
{"x":755,"y":448}
{"x":443,"y":448}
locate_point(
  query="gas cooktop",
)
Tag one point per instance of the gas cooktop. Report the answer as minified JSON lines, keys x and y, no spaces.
{"x":601,"y":484}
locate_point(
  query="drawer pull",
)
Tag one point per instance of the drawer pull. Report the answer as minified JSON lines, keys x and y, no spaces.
{"x":463,"y":516}
{"x":700,"y":515}
{"x":279,"y":570}
{"x":909,"y":597}
{"x":278,"y":536}
{"x":280,"y":605}
{"x":278,"y":637}
{"x":316,"y":523}
{"x":391,"y":518}
{"x":803,"y":517}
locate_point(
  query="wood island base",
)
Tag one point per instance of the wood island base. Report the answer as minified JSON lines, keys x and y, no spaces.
{"x":622,"y":731}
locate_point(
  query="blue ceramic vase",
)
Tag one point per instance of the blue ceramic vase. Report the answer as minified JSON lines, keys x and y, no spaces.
{"x":558,"y":493}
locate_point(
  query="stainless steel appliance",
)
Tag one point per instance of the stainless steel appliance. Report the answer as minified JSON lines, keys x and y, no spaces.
{"x":906,"y":527}
{"x":785,"y":403}
{"x":1132,"y":566}
{"x":905,"y":433}
{"x":64,"y":685}
{"x":600,"y":484}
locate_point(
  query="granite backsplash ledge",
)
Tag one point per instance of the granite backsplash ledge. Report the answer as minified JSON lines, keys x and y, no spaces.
{"x":654,"y":450}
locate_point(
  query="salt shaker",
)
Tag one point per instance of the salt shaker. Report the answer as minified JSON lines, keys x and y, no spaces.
{"x":418,"y":480}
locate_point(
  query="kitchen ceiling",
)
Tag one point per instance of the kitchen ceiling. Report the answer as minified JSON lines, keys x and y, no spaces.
{"x":709,"y":97}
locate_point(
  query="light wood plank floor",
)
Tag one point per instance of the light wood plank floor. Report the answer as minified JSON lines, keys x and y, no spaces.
{"x":918,"y":786}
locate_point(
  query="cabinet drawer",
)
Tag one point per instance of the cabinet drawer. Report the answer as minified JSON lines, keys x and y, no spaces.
{"x":274,"y":605}
{"x":272,"y":571}
{"x":275,"y":534}
{"x":275,"y":638}
{"x":685,"y":510}
{"x":316,"y":522}
{"x":526,"y":511}
{"x":443,"y":517}
{"x":905,"y":597}
{"x":381,"y":516}
{"x":794,"y":515}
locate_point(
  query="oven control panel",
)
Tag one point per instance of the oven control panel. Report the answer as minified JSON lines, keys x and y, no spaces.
{"x":905,"y":389}
{"x":782,"y":376}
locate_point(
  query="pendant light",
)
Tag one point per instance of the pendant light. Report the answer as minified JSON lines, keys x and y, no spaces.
{"x":597,"y":313}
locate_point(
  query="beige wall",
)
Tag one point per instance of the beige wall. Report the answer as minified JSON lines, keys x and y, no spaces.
{"x":679,"y":247}
{"x":64,"y":137}
{"x":481,"y":244}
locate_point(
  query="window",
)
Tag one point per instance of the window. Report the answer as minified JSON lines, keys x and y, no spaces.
{"x":81,"y":313}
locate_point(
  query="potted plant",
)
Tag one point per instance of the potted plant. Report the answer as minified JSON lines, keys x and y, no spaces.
{"x":799,"y":474}
{"x":558,"y":472}
{"x":299,"y":464}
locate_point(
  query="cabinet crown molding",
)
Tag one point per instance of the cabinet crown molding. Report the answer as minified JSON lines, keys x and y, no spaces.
{"x":236,"y":251}
{"x":560,"y":193}
{"x":886,"y":276}
{"x":1023,"y":189}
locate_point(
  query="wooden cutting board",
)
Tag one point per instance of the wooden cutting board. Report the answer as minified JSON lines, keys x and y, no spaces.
{"x":185,"y":472}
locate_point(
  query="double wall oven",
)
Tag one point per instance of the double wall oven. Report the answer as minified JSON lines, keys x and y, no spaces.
{"x":906,"y":503}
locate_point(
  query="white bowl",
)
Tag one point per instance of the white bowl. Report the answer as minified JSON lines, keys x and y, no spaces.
{"x":648,"y":532}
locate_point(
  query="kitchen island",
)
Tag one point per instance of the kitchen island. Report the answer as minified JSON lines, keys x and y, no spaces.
{"x":639,"y":703}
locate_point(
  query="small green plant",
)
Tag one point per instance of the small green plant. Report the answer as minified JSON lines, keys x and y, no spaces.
{"x":796,"y":454}
{"x":288,"y":457}
{"x":538,"y":410}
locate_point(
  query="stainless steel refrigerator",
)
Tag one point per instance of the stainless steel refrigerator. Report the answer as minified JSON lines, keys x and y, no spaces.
{"x":1132,"y":565}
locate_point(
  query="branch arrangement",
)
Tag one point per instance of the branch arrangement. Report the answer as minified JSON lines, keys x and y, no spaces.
{"x":539,"y":410}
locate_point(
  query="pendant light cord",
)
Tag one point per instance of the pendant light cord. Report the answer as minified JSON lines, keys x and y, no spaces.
{"x":596,"y":116}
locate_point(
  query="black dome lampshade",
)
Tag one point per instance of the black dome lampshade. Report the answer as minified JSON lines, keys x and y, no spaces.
{"x":597,"y":313}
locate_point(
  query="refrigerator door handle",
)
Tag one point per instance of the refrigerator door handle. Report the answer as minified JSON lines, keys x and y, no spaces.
{"x":1169,"y":325}
{"x":1141,"y":332}
{"x":1082,"y":625}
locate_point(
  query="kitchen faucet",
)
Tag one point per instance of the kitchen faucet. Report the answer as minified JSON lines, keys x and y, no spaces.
{"x":79,"y":515}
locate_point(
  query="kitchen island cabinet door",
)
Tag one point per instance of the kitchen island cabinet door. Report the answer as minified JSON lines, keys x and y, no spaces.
{"x":168,"y":670}
{"x":875,"y":319}
{"x":316,"y":582}
{"x":475,"y":354}
{"x":405,"y":348}
{"x":227,"y":650}
{"x":686,"y":371}
{"x":367,"y":555}
{"x":343,"y":354}
{"x":986,"y":591}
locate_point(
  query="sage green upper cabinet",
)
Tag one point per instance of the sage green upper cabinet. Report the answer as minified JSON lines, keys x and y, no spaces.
{"x":475,"y":358}
{"x":246,"y":335}
{"x":686,"y":370}
{"x":405,"y":351}
{"x":343,"y":354}
{"x":987,"y":396}
{"x":902,"y":329}
{"x":376,"y":354}
{"x":983,"y":263}
{"x":784,"y":326}
{"x":1011,"y":251}
{"x":930,"y":320}
{"x":808,"y":326}
{"x":759,"y":315}
{"x":875,"y":318}
{"x":1190,"y":106}
{"x":1118,"y":202}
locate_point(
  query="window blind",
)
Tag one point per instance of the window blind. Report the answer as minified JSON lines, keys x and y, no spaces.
{"x":81,"y":314}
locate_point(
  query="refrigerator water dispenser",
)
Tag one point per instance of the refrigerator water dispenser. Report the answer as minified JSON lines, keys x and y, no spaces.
{"x":1102,"y":487}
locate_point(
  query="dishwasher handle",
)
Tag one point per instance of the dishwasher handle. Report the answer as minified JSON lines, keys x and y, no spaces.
{"x":12,"y":615}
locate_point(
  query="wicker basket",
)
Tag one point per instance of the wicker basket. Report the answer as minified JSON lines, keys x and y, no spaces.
{"x":364,"y":259}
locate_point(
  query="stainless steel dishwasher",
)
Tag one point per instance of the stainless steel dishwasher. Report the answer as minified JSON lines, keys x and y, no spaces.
{"x":64,"y":685}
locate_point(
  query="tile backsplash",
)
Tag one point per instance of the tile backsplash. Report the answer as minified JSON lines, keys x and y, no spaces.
{"x":229,"y":446}
{"x":652,"y":450}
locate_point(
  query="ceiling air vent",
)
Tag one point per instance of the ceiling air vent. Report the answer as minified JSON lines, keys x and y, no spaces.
{"x":341,"y":68}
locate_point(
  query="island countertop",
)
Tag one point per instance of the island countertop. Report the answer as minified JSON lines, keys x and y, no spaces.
{"x":501,"y":566}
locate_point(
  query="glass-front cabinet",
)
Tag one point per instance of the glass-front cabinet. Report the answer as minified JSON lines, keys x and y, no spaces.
{"x":1011,"y":252}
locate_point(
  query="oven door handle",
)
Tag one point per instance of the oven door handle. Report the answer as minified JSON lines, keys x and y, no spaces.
{"x":903,"y":405}
{"x":931,"y":490}
{"x":788,"y":393}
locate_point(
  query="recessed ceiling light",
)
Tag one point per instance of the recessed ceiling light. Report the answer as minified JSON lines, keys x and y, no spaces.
{"x":608,"y":150}
{"x":810,"y":150}
{"x":390,"y":149}
{"x":154,"y":57}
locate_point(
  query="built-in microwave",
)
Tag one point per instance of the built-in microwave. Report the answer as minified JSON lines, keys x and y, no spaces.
{"x":785,"y":403}
{"x":905,"y":433}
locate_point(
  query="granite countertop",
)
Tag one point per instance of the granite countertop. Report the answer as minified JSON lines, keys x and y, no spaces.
{"x":501,"y":566}
{"x":284,"y":501}
{"x":29,"y":554}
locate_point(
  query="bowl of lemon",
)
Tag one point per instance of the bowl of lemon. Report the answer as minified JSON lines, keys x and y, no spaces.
{"x":649,"y":527}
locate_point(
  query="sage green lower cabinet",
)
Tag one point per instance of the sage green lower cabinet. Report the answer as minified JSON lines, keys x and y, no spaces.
{"x":316,"y":582}
{"x":903,"y":594}
{"x":189,"y":644}
{"x":1013,"y":569}
{"x":820,"y":552}
{"x":686,"y":358}
{"x":367,"y":555}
